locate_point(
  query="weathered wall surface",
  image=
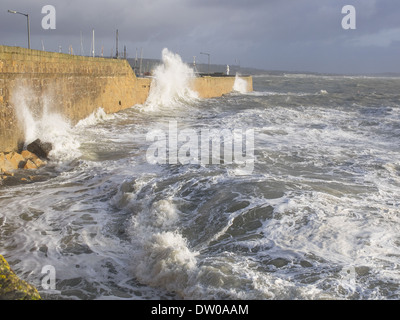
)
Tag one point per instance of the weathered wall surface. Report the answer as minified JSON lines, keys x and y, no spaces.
{"x":75,"y":86}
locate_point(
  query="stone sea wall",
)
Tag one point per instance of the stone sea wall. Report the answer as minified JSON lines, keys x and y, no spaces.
{"x":211,"y":87}
{"x":75,"y":86}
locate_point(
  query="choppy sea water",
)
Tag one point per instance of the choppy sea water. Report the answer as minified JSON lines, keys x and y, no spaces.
{"x":317,"y":217}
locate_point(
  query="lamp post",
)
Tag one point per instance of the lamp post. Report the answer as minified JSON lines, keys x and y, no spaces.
{"x":208,"y":60}
{"x":27,"y":23}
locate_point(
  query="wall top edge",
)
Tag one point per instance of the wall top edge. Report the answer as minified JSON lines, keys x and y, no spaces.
{"x":39,"y":53}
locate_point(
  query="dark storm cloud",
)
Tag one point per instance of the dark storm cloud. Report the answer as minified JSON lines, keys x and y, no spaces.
{"x":275,"y":34}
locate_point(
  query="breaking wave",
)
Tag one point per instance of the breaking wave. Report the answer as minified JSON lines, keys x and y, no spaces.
{"x":41,"y":121}
{"x":171,"y":83}
{"x":240,"y":85}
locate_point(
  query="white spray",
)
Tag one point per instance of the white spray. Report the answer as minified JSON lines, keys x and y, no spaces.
{"x":171,"y":83}
{"x":240,"y":84}
{"x":162,"y":257}
{"x":44,"y":124}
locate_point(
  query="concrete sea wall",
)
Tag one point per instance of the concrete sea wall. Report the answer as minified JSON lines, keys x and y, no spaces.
{"x":74,"y":86}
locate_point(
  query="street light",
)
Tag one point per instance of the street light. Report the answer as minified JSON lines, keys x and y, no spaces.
{"x":27,"y":23}
{"x":208,"y":60}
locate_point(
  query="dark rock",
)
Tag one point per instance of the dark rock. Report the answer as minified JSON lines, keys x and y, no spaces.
{"x":41,"y":149}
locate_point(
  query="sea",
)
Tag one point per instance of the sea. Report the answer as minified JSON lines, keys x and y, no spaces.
{"x":288,"y":192}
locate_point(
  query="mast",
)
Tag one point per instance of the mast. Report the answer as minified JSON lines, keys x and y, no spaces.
{"x":93,"y":45}
{"x":141,"y":59}
{"x":136,"y":62}
{"x":82,"y":51}
{"x":116,"y":51}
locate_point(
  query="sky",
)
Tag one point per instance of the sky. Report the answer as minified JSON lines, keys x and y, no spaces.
{"x":288,"y":35}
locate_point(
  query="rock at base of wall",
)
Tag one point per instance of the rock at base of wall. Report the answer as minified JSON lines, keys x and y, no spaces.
{"x":12,"y":287}
{"x":12,"y":161}
{"x":30,"y":165}
{"x":16,"y":160}
{"x":5,"y":165}
{"x":41,"y":149}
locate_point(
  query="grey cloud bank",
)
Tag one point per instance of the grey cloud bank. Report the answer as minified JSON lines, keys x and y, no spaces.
{"x":288,"y":35}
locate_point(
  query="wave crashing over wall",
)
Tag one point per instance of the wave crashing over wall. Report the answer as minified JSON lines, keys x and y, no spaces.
{"x":171,"y":83}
